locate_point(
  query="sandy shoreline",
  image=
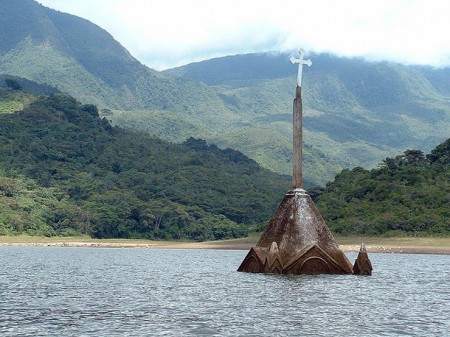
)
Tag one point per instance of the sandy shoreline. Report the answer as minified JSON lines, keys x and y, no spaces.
{"x":224,"y":245}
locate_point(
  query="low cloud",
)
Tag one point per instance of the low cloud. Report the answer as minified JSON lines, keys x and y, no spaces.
{"x":164,"y":34}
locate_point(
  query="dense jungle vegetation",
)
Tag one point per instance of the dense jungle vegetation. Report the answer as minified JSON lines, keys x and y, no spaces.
{"x":65,"y":171}
{"x":408,"y":194}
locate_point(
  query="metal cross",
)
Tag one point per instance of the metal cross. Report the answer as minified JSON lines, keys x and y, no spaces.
{"x":300,"y":62}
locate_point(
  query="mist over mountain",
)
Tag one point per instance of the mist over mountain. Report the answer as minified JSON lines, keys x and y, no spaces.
{"x":356,"y":113}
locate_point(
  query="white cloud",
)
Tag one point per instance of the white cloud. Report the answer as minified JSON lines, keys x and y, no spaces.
{"x":168,"y":33}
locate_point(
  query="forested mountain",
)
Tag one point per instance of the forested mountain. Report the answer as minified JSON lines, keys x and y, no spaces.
{"x":80,"y":58}
{"x":409,"y":193}
{"x":65,"y":171}
{"x":20,"y":92}
{"x":356,"y":112}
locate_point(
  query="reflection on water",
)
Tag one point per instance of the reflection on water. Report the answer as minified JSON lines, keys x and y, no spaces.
{"x":139,"y":292}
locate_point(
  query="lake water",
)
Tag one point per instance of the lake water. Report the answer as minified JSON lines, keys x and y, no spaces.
{"x":47,"y":291}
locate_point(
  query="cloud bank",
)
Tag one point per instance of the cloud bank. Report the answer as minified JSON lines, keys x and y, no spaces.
{"x":165,"y":34}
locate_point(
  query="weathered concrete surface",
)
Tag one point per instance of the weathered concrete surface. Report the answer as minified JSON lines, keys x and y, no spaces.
{"x":297,"y":154}
{"x":362,"y":265}
{"x":297,"y":241}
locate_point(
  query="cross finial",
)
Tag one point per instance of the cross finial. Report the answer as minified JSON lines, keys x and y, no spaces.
{"x":300,"y":62}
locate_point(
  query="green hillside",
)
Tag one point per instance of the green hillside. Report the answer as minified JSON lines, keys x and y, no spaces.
{"x":81,"y":59}
{"x":11,"y":101}
{"x":65,"y":171}
{"x":407,"y":194}
{"x":356,"y":113}
{"x":16,"y":93}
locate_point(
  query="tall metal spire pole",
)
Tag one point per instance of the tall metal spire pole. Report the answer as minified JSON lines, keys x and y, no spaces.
{"x":297,"y":174}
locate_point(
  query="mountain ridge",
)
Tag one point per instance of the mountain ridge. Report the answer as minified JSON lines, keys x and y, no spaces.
{"x":347,"y":99}
{"x":84,"y":60}
{"x":356,"y":112}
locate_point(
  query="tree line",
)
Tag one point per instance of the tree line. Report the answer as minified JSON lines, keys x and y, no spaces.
{"x":407,"y":195}
{"x":105,"y":181}
{"x":66,"y":171}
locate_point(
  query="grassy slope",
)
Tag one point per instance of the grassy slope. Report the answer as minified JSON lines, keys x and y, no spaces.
{"x":11,"y":101}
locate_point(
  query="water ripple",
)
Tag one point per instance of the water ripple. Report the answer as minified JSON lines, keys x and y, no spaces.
{"x":48,"y":291}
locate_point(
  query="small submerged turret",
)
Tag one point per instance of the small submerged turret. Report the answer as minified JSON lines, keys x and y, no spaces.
{"x":362,"y":265}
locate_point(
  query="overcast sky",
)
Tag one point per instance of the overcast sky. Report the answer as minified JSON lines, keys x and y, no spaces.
{"x":169,"y":33}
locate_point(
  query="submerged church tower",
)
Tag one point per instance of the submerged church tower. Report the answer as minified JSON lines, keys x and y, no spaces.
{"x":297,"y":240}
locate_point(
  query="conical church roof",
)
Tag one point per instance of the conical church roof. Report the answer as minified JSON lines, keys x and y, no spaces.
{"x":303,"y":242}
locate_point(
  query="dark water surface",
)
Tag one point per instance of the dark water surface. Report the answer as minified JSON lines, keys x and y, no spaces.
{"x":148,"y":292}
